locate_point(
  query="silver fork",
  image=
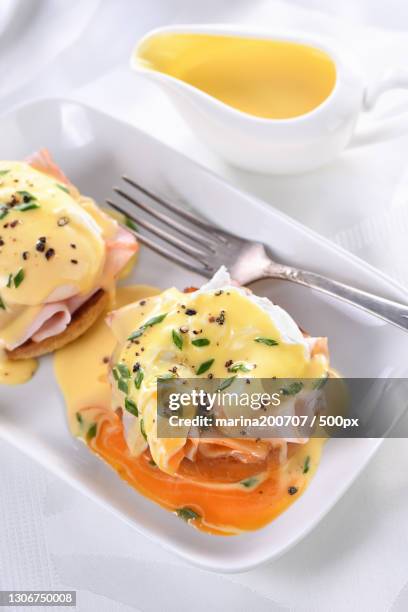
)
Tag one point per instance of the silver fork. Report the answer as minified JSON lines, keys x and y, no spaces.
{"x":203,"y":248}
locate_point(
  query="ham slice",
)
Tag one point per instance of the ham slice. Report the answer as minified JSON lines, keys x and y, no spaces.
{"x":55,"y":316}
{"x":41,"y":160}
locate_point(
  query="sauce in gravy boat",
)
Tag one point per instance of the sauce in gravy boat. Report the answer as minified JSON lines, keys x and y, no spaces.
{"x":269,"y":103}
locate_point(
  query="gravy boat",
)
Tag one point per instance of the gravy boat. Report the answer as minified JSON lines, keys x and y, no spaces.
{"x":275,"y":146}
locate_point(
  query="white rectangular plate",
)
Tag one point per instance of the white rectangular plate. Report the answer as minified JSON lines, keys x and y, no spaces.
{"x":94,"y":150}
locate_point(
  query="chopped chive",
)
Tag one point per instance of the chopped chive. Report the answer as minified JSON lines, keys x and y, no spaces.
{"x":115,"y":374}
{"x":249,"y":482}
{"x":292,"y":389}
{"x":149,"y":323}
{"x":203,"y":367}
{"x":155,"y":320}
{"x":267,"y":341}
{"x":187,"y":514}
{"x":2,"y":306}
{"x":239,"y":366}
{"x":4,"y":172}
{"x":142,"y":429}
{"x":123,"y":370}
{"x":139,"y":378}
{"x":306,"y":465}
{"x":131,"y":407}
{"x":131,"y":224}
{"x":123,"y":386}
{"x":3,"y":212}
{"x":62,"y":187}
{"x":226,"y":383}
{"x":18,"y":278}
{"x":27,"y":196}
{"x":79,"y":418}
{"x":92,"y":431}
{"x":320,"y":382}
{"x":136,"y":333}
{"x":200,"y":342}
{"x":26,"y":206}
{"x":177,"y":339}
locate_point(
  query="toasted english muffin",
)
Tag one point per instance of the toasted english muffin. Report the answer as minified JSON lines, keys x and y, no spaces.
{"x":81,"y":321}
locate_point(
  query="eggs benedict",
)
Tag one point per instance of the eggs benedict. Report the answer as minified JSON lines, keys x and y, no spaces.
{"x":222,"y":486}
{"x":59,"y":258}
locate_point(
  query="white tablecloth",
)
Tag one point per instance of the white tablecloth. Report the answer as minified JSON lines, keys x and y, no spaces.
{"x":51,"y":537}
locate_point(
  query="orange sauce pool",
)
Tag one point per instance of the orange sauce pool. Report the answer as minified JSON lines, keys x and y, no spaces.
{"x":225,"y":508}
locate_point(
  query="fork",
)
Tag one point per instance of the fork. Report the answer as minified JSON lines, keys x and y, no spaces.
{"x":202,"y":248}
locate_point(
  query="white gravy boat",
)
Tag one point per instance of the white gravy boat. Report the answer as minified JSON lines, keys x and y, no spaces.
{"x":275,"y":146}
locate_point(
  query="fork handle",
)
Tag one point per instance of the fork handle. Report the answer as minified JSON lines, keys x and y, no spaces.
{"x":393,"y":312}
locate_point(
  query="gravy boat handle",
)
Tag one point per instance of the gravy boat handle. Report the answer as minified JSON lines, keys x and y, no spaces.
{"x":396,"y":121}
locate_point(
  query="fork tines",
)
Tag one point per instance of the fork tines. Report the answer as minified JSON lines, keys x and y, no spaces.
{"x":175,"y":222}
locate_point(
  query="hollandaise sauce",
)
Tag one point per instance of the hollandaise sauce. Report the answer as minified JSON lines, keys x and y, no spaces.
{"x":107,"y":379}
{"x":57,"y":250}
{"x":273,"y":79}
{"x":82,"y":367}
{"x":16,"y":372}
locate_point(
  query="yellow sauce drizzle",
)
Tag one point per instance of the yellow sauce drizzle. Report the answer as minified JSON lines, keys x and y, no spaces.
{"x":16,"y":372}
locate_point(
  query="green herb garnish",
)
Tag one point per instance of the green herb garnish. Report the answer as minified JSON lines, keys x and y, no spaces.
{"x":115,"y":374}
{"x":177,"y":339}
{"x":123,"y":386}
{"x":249,"y":482}
{"x":26,"y":206}
{"x":27,"y":196}
{"x":187,"y":514}
{"x":62,"y":187}
{"x":123,"y":370}
{"x":16,"y":280}
{"x":137,"y":333}
{"x":92,"y":431}
{"x":142,"y":429}
{"x":155,"y":320}
{"x":3,"y":212}
{"x":2,"y":306}
{"x":149,"y":323}
{"x":131,"y":224}
{"x":200,"y":342}
{"x":292,"y":389}
{"x":306,"y":465}
{"x":239,"y":366}
{"x":19,"y":277}
{"x":4,"y":172}
{"x":79,"y":418}
{"x":203,"y":367}
{"x":320,"y":382}
{"x":226,"y":383}
{"x":139,"y":378}
{"x":267,"y":341}
{"x":131,"y":407}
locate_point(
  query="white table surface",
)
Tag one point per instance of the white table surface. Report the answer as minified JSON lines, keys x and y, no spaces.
{"x":51,"y":537}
